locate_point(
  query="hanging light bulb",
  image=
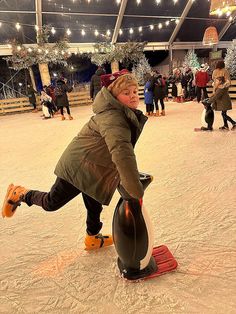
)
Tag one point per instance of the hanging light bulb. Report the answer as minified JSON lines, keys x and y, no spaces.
{"x":223,"y":6}
{"x":83,"y":32}
{"x":151,"y":27}
{"x":167,"y":23}
{"x":108,"y":32}
{"x":138,"y":2}
{"x":131,"y":31}
{"x":18,"y":26}
{"x":68,"y":32}
{"x":120,"y":31}
{"x":53,"y":31}
{"x":160,"y":26}
{"x":96,"y":33}
{"x":140,"y":29}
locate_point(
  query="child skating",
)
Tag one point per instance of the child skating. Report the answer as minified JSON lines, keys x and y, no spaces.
{"x":99,"y":159}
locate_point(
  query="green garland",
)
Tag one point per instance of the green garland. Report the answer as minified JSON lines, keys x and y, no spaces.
{"x":23,"y":57}
{"x":128,"y":53}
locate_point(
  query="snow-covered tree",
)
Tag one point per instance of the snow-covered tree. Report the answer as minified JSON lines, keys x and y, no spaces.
{"x":141,"y":69}
{"x":191,"y":60}
{"x":230,"y":61}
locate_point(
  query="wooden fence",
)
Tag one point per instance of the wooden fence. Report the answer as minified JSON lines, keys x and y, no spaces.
{"x":80,"y":98}
{"x":12,"y":105}
{"x":232,"y":90}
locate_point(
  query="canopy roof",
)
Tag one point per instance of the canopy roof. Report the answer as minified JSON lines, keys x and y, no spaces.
{"x":179,"y":23}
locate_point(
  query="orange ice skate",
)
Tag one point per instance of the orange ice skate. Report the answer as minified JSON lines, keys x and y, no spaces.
{"x":14,"y":196}
{"x":97,"y":241}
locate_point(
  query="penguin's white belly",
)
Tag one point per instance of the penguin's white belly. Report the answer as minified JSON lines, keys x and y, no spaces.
{"x":203,"y":118}
{"x":144,"y":262}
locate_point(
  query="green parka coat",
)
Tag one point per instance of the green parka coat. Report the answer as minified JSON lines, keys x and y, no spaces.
{"x":102,"y":155}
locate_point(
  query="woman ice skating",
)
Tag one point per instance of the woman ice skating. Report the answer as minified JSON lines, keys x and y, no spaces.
{"x":159,"y":94}
{"x":223,"y":102}
{"x":61,"y":99}
{"x":98,"y":160}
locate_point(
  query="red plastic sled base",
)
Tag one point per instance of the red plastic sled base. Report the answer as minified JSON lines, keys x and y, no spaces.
{"x":164,"y":259}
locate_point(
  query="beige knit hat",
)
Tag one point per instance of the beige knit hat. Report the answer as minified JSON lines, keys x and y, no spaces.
{"x":122,"y":83}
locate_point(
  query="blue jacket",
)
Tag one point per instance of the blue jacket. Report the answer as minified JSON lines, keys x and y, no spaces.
{"x":148,"y":93}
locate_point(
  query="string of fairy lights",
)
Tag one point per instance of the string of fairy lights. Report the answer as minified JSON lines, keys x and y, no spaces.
{"x":88,"y":29}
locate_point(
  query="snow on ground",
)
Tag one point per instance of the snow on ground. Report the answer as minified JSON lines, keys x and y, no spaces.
{"x":43,"y":267}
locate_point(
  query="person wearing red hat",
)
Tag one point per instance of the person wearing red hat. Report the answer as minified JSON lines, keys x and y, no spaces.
{"x":97,"y":161}
{"x":201,"y":79}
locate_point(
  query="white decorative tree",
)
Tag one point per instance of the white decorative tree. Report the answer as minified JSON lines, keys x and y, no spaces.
{"x":191,"y":60}
{"x":230,"y":61}
{"x":141,"y":69}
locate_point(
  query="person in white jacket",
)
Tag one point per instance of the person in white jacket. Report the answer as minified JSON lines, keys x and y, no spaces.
{"x":45,"y":100}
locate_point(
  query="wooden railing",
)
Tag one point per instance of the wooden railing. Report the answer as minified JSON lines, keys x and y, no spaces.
{"x":232,"y":90}
{"x":12,"y":105}
{"x":81,"y":98}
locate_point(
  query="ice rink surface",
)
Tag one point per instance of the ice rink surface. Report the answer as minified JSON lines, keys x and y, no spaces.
{"x":192,"y":204}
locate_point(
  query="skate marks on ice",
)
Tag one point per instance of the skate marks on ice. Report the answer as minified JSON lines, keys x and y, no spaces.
{"x":191,"y":202}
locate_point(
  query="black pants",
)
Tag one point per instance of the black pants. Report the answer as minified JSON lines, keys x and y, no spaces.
{"x":161,"y":102}
{"x":199,"y":93}
{"x":149,"y":108}
{"x":67,"y":110}
{"x":60,"y":194}
{"x":227,"y":118}
{"x":33,"y":104}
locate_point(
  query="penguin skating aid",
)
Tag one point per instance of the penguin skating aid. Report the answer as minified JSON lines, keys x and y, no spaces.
{"x":133,"y":240}
{"x":207,"y":117}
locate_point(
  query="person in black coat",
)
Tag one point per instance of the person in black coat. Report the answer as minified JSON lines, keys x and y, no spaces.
{"x":95,"y":85}
{"x":159,"y":94}
{"x":61,"y":99}
{"x":31,"y":94}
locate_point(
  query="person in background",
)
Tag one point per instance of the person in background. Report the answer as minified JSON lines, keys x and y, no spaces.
{"x":50,"y":92}
{"x":177,"y":88}
{"x":46,"y":100}
{"x":31,"y":94}
{"x":201,"y":80}
{"x":148,"y":96}
{"x":187,"y":81}
{"x":221,"y":102}
{"x":159,"y":94}
{"x":61,"y":99}
{"x":98,"y":160}
{"x":95,"y":84}
{"x":167,"y":83}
